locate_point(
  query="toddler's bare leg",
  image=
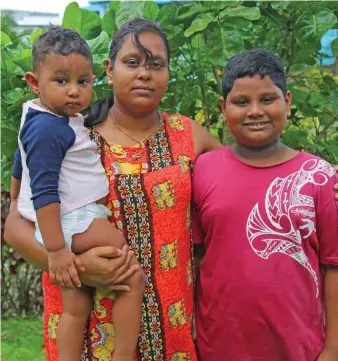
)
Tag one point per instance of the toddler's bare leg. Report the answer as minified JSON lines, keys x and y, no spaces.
{"x":128,"y":305}
{"x":77,"y":305}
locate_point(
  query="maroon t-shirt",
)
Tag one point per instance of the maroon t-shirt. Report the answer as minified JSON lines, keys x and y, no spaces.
{"x":266,"y":231}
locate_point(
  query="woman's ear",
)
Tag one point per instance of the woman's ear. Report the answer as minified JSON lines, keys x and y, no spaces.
{"x":288,"y":101}
{"x":32,"y":81}
{"x":109,"y":71}
{"x":222,"y":101}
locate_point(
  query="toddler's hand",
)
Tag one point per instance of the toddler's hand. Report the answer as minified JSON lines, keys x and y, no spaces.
{"x":62,"y":268}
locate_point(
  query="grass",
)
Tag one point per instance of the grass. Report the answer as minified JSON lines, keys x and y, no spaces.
{"x":22,"y":340}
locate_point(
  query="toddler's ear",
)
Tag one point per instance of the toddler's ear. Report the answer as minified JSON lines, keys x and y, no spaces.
{"x":32,"y":81}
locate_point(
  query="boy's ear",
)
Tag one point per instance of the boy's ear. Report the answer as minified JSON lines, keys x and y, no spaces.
{"x":32,"y":81}
{"x":222,"y":101}
{"x":288,"y":101}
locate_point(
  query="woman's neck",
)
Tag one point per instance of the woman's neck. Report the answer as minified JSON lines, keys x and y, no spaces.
{"x":270,"y":154}
{"x":135,"y":123}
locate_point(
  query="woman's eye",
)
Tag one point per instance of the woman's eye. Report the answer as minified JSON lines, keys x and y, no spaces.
{"x":157,"y":65}
{"x":132,"y":63}
{"x":61,"y":81}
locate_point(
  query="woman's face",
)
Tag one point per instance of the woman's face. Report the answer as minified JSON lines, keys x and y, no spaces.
{"x":137,"y":86}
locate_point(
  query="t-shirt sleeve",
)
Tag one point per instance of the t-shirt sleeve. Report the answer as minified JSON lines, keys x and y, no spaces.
{"x":45,"y":139}
{"x":17,"y":165}
{"x":327,"y":223}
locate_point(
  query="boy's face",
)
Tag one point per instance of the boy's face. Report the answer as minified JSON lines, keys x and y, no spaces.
{"x":65,"y":83}
{"x":256,"y":111}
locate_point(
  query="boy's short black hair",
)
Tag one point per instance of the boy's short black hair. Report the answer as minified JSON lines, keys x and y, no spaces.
{"x":254,"y":62}
{"x":59,"y":41}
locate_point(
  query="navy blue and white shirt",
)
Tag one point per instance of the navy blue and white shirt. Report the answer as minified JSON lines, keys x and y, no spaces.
{"x":59,"y":162}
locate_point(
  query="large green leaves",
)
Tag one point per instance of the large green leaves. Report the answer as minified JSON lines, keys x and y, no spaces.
{"x":129,"y":10}
{"x":85,"y":22}
{"x":311,"y":27}
{"x":250,"y":13}
{"x":199,"y":24}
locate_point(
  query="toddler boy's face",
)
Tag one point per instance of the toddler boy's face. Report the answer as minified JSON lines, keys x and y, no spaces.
{"x":65,"y":83}
{"x":256,"y":111}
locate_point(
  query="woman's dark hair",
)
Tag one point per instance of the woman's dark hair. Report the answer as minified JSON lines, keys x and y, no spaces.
{"x":98,"y":111}
{"x":253,"y":62}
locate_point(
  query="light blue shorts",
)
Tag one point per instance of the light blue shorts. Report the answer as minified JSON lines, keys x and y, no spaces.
{"x":77,"y":221}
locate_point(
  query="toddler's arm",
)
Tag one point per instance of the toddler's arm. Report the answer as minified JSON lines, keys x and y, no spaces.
{"x":45,"y":140}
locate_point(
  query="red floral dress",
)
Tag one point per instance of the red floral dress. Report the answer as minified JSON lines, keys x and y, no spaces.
{"x":150,"y":191}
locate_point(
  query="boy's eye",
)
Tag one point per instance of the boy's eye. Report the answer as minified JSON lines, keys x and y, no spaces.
{"x":61,"y":81}
{"x":268,"y":100}
{"x":84,"y":81}
{"x":241,"y":102}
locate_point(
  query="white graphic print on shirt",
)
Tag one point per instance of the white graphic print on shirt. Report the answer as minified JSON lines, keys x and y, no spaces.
{"x":291,"y":215}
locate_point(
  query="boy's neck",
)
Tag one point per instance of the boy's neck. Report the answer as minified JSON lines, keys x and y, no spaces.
{"x":268,"y":155}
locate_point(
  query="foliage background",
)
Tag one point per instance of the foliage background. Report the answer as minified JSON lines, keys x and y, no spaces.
{"x":203,"y":36}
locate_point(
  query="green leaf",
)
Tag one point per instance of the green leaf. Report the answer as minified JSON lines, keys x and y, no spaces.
{"x":72,"y":17}
{"x":87,"y":23}
{"x":190,"y":10}
{"x":100,"y":44}
{"x":280,"y":5}
{"x":199,"y":24}
{"x":250,"y":13}
{"x":36,"y":34}
{"x":151,"y":10}
{"x":24,"y":60}
{"x":334,"y":47}
{"x":5,"y":40}
{"x":310,"y":28}
{"x":114,"y":5}
{"x":129,"y":10}
{"x":108,"y":22}
{"x":90,"y":24}
{"x":198,"y":41}
{"x":13,"y":96}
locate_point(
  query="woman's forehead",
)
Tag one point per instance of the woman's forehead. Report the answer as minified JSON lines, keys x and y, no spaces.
{"x":151,"y":41}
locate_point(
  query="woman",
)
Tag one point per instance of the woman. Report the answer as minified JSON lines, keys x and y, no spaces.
{"x":147,"y":155}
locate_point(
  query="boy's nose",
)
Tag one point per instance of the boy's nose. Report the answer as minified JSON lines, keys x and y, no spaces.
{"x":255,"y":110}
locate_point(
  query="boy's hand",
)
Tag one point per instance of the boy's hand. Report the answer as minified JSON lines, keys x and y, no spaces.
{"x":328,"y":355}
{"x":336,"y":185}
{"x":62,"y":268}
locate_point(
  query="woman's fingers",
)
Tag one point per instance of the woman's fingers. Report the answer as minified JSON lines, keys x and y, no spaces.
{"x":121,"y":288}
{"x":126,"y":275}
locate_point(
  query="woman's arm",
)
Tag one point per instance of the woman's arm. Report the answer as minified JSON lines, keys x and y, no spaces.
{"x":104,"y":266}
{"x":203,"y":140}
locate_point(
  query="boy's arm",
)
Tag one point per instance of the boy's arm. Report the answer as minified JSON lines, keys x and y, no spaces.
{"x":330,"y":352}
{"x":327,"y":232}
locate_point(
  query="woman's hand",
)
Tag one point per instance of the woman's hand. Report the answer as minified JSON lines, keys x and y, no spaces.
{"x":107,"y":267}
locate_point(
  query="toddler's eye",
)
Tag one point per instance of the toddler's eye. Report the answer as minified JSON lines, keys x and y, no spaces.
{"x":61,"y":81}
{"x":84,"y":81}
